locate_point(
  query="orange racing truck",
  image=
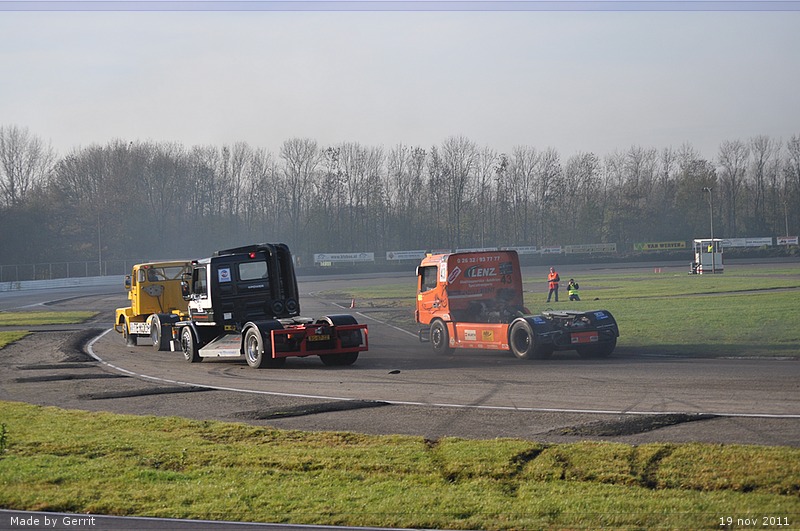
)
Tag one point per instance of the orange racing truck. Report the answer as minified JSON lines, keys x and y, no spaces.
{"x":475,"y":300}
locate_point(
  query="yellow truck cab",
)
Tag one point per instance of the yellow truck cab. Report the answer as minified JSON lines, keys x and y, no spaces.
{"x":154,"y":290}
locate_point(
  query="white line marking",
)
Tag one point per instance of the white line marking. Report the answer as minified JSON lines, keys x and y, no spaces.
{"x":90,"y":349}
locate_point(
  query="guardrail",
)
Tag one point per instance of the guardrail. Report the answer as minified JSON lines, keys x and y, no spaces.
{"x":113,"y":280}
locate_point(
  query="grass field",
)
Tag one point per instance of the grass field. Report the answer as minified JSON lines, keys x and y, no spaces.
{"x":59,"y":460}
{"x":744,"y":312}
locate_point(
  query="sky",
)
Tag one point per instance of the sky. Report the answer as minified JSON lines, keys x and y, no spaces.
{"x":572,"y":80}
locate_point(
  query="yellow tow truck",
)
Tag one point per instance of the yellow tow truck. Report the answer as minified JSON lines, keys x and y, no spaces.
{"x":157,"y":303}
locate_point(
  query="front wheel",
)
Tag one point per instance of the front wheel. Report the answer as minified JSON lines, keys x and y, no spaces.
{"x":440,"y":338}
{"x":189,"y":346}
{"x":255,"y":351}
{"x":130,"y":339}
{"x":523,"y":342}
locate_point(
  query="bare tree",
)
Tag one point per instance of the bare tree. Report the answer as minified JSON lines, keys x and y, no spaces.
{"x":301,"y":157}
{"x":521,"y":191}
{"x":25,"y":161}
{"x":765,"y":153}
{"x":732,"y":158}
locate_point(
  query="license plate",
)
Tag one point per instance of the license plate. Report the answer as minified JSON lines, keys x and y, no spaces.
{"x":584,"y":337}
{"x":318,"y":337}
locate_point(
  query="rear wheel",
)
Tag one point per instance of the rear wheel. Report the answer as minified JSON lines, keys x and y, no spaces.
{"x":255,"y":351}
{"x":440,"y":338}
{"x":159,"y":334}
{"x":523,"y":342}
{"x":189,"y":346}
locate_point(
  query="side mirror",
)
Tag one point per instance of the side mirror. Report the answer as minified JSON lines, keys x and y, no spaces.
{"x":128,"y":282}
{"x":185,"y":292}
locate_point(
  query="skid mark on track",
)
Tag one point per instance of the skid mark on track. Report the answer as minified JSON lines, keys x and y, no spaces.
{"x":131,"y":393}
{"x":308,"y":409}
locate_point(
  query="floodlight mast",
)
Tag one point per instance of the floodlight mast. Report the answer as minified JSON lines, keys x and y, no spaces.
{"x":713,"y":243}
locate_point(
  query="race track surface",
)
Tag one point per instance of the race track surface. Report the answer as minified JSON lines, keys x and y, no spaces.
{"x":400,"y":386}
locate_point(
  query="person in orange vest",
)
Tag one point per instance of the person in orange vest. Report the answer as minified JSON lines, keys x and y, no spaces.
{"x":553,"y":279}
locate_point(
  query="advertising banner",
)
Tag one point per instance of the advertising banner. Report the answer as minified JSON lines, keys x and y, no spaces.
{"x":344,"y":257}
{"x":405,"y":255}
{"x":786,"y":240}
{"x":659,"y":246}
{"x":591,"y":248}
{"x":532,"y":249}
{"x":747,"y":242}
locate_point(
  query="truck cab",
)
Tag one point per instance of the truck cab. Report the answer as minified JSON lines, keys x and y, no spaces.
{"x":156,"y":301}
{"x":475,"y":287}
{"x":243,"y":284}
{"x":243,"y":302}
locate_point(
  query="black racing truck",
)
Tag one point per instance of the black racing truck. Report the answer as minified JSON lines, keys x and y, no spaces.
{"x":243,"y":302}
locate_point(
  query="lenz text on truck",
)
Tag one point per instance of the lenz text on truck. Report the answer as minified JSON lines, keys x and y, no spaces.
{"x":475,"y":300}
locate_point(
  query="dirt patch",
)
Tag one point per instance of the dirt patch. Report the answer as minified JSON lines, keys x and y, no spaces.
{"x":630,"y":425}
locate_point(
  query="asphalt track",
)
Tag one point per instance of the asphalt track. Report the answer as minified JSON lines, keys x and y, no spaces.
{"x":400,"y":386}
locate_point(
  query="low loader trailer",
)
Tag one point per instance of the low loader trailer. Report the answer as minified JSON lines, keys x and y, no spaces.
{"x":475,"y":300}
{"x":243,"y":303}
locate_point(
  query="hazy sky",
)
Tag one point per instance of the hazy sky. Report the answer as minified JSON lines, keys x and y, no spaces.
{"x":574,"y":81}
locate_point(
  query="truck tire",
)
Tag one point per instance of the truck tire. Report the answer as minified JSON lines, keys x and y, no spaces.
{"x":255,"y":351}
{"x":603,"y":350}
{"x":130,"y":339}
{"x":440,"y":338}
{"x":522,"y":341}
{"x":160,"y":333}
{"x":189,"y":345}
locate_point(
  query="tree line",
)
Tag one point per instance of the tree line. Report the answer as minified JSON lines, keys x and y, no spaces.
{"x":158,"y":200}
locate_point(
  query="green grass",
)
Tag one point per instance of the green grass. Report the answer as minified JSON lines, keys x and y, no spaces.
{"x":44,"y":318}
{"x":9,"y":337}
{"x":34,"y":319}
{"x":743,"y":312}
{"x":61,"y":460}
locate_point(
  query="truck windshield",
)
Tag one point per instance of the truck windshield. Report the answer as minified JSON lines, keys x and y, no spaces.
{"x":428,"y":275}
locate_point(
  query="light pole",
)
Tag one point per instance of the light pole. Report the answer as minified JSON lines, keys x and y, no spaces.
{"x":713,"y":244}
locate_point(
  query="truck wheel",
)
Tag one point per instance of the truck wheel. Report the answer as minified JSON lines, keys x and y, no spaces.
{"x":189,"y":346}
{"x":159,"y":334}
{"x":440,"y":339}
{"x":523,"y":344}
{"x":255,"y":351}
{"x":602,"y":350}
{"x":130,"y":339}
{"x":345,"y":358}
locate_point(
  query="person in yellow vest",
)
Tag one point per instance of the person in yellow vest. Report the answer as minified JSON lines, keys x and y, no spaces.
{"x":572,"y":288}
